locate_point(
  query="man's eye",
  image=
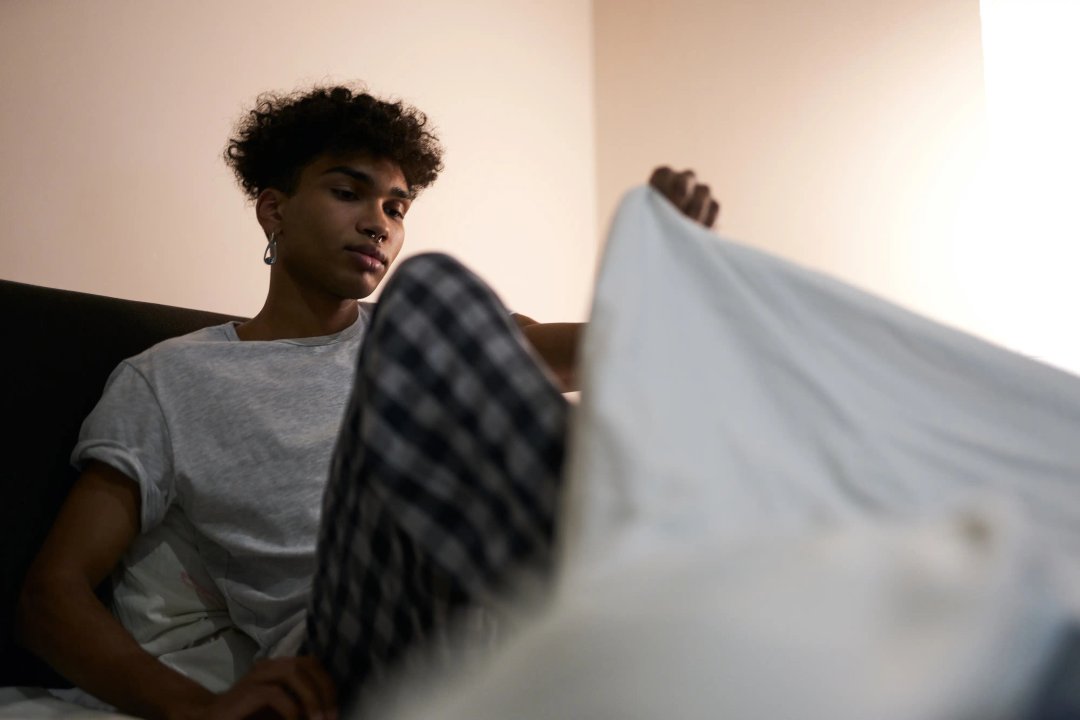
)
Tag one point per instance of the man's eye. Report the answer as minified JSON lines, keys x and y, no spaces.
{"x":343,"y":194}
{"x":394,"y":212}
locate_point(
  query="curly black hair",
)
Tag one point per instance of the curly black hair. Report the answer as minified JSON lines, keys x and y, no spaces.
{"x":275,"y":140}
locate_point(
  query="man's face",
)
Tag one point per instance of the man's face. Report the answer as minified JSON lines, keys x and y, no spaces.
{"x":344,"y":224}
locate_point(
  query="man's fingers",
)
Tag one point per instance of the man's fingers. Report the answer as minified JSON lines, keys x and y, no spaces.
{"x":682,"y":189}
{"x":670,"y":184}
{"x":698,"y":204}
{"x":661,"y":178}
{"x":711,"y":214}
{"x":322,"y":683}
{"x":300,"y":680}
{"x":277,"y":699}
{"x":675,"y":186}
{"x":296,"y":676}
{"x":256,"y":702}
{"x":296,"y":684}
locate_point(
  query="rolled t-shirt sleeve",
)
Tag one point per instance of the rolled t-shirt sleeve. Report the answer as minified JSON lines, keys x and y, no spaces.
{"x":127,"y":431}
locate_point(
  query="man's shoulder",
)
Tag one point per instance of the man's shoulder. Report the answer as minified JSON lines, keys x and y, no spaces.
{"x":183,"y":347}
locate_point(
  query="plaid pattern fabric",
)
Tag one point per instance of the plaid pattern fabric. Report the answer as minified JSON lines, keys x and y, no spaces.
{"x":444,"y":482}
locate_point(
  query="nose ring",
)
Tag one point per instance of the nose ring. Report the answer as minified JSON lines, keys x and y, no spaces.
{"x":375,"y":236}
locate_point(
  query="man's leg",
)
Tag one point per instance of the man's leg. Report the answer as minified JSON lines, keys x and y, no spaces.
{"x":444,"y":482}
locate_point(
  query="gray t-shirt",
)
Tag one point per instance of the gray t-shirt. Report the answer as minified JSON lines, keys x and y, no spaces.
{"x":238,"y":435}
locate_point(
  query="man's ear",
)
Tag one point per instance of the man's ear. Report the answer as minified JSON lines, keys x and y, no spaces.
{"x":268,"y":207}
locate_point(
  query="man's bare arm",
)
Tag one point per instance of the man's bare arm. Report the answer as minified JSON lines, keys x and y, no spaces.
{"x":61,"y":619}
{"x":557,"y":344}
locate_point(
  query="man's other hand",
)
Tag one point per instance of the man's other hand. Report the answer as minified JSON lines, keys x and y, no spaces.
{"x":289,"y":688}
{"x":693,"y":199}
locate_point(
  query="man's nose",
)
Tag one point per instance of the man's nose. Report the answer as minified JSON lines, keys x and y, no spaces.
{"x":373,"y":226}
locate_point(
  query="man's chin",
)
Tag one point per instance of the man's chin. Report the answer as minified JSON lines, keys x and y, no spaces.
{"x":362,"y":290}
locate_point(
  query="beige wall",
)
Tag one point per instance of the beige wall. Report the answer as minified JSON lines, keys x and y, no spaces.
{"x":844,"y":134}
{"x":835,"y":131}
{"x":851,"y":136}
{"x":839,"y":133}
{"x":114,"y":113}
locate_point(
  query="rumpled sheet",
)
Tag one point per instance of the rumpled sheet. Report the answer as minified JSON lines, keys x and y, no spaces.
{"x":725,"y":388}
{"x":790,"y":499}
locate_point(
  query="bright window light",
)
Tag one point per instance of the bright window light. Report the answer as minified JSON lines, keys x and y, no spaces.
{"x":1018,"y":236}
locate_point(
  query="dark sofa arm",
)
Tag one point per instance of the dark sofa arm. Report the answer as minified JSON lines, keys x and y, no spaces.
{"x":59,"y":349}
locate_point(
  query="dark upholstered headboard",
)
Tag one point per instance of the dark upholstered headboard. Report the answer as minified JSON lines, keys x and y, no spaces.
{"x":59,"y":348}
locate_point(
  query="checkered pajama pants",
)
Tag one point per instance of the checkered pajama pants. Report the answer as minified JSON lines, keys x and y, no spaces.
{"x":444,"y":482}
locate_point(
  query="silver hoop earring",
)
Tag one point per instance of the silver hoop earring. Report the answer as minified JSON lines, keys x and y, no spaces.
{"x":270,"y":254}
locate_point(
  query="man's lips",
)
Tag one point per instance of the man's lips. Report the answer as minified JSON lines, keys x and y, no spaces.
{"x":368,"y":256}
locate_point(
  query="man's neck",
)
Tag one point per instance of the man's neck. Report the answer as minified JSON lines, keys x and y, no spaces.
{"x":294,"y":318}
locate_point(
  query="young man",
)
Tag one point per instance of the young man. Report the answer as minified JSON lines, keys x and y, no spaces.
{"x":442,"y":477}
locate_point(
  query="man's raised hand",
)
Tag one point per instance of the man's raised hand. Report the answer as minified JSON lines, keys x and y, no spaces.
{"x":693,"y":199}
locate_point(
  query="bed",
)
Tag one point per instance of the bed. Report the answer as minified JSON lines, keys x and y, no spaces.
{"x":785,"y":497}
